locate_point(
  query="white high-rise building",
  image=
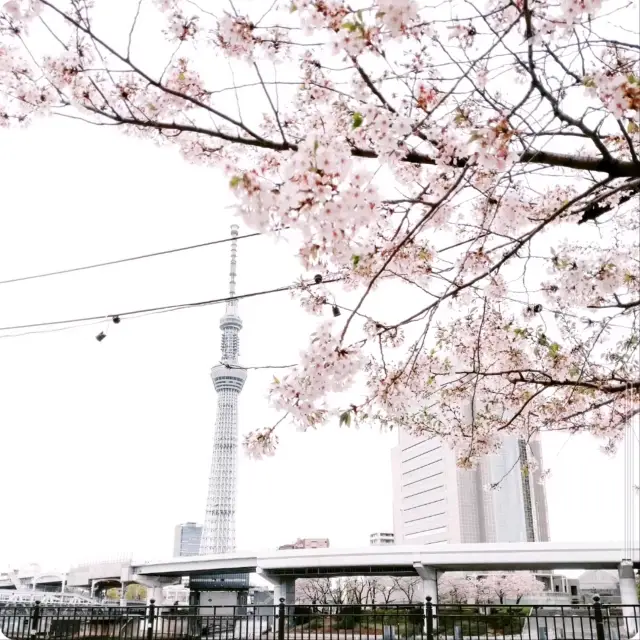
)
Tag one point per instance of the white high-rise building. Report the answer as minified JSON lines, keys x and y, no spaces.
{"x":219,"y":533}
{"x":435,"y":501}
{"x":379,"y":539}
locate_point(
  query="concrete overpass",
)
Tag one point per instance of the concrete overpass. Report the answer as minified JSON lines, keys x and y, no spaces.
{"x":281,"y":568}
{"x":398,"y":560}
{"x":21,"y":580}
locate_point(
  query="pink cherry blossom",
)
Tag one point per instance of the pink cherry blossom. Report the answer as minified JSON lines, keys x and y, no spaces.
{"x":492,"y":588}
{"x":260,"y":444}
{"x":462,"y":179}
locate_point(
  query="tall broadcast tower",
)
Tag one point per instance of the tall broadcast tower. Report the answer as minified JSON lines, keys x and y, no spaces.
{"x":219,"y":532}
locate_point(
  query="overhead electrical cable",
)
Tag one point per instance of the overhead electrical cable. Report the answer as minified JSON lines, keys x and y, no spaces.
{"x":130,"y":259}
{"x":74,"y":323}
{"x":138,"y":313}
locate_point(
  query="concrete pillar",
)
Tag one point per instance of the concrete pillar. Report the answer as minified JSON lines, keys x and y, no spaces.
{"x":429,"y":577}
{"x":629,"y":596}
{"x":123,"y":594}
{"x":284,"y":588}
{"x":156,"y":594}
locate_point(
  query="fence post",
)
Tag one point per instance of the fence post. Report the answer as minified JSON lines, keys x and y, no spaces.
{"x":35,"y":619}
{"x":429,"y":618}
{"x":597,"y":614}
{"x":281,"y":616}
{"x":151,"y":617}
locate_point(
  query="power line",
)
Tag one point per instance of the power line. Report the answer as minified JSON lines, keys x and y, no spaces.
{"x":154,"y":310}
{"x":131,"y":259}
{"x":53,"y":330}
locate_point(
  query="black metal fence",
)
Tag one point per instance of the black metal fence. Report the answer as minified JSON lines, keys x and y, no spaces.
{"x":319,"y":622}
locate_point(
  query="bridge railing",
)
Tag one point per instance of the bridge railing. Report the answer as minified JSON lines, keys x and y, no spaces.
{"x":422,"y":621}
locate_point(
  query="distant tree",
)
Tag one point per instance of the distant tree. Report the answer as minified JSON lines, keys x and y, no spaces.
{"x":340,"y":590}
{"x":512,"y":586}
{"x":407,"y":587}
{"x":133,"y":592}
{"x":455,"y":588}
{"x":356,"y":590}
{"x":374,"y":588}
{"x":136,"y":592}
{"x":460,"y":589}
{"x":360,"y":590}
{"x":314,"y":590}
{"x":387,"y":592}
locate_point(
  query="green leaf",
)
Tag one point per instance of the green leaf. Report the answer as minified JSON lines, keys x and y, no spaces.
{"x":554,"y":349}
{"x":632,"y":126}
{"x":355,"y":260}
{"x":349,"y":26}
{"x":235,"y":181}
{"x":276,"y":380}
{"x":345,"y":418}
{"x":293,"y":8}
{"x":357,"y":119}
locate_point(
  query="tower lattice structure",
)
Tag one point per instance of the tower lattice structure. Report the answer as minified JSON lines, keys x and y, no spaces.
{"x":218,"y":533}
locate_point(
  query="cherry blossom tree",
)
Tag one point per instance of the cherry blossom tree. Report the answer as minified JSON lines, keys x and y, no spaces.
{"x":407,"y":588}
{"x":457,"y":588}
{"x":475,"y":159}
{"x":454,"y":588}
{"x":313,"y":591}
{"x":512,"y":586}
{"x":360,"y":590}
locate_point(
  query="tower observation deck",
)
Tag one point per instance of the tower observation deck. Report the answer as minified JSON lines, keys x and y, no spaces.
{"x":218,"y":533}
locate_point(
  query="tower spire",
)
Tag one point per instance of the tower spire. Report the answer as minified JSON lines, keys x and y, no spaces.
{"x":232,"y":305}
{"x":218,"y":534}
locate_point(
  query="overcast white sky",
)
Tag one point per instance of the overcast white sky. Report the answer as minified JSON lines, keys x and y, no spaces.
{"x":106,"y":446}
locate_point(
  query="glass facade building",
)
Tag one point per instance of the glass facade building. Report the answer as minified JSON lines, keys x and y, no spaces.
{"x":434,"y":501}
{"x":186,"y":540}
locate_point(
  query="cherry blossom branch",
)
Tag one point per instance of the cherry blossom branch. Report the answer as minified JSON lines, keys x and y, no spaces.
{"x":148,"y":78}
{"x":450,"y":157}
{"x":408,"y":237}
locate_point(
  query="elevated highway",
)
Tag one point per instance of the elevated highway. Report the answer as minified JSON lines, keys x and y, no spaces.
{"x":282,"y":568}
{"x":398,"y":560}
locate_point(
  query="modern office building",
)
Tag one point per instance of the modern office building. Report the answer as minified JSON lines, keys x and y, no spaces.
{"x":186,"y":541}
{"x":306,"y":543}
{"x":379,"y":539}
{"x":435,"y":501}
